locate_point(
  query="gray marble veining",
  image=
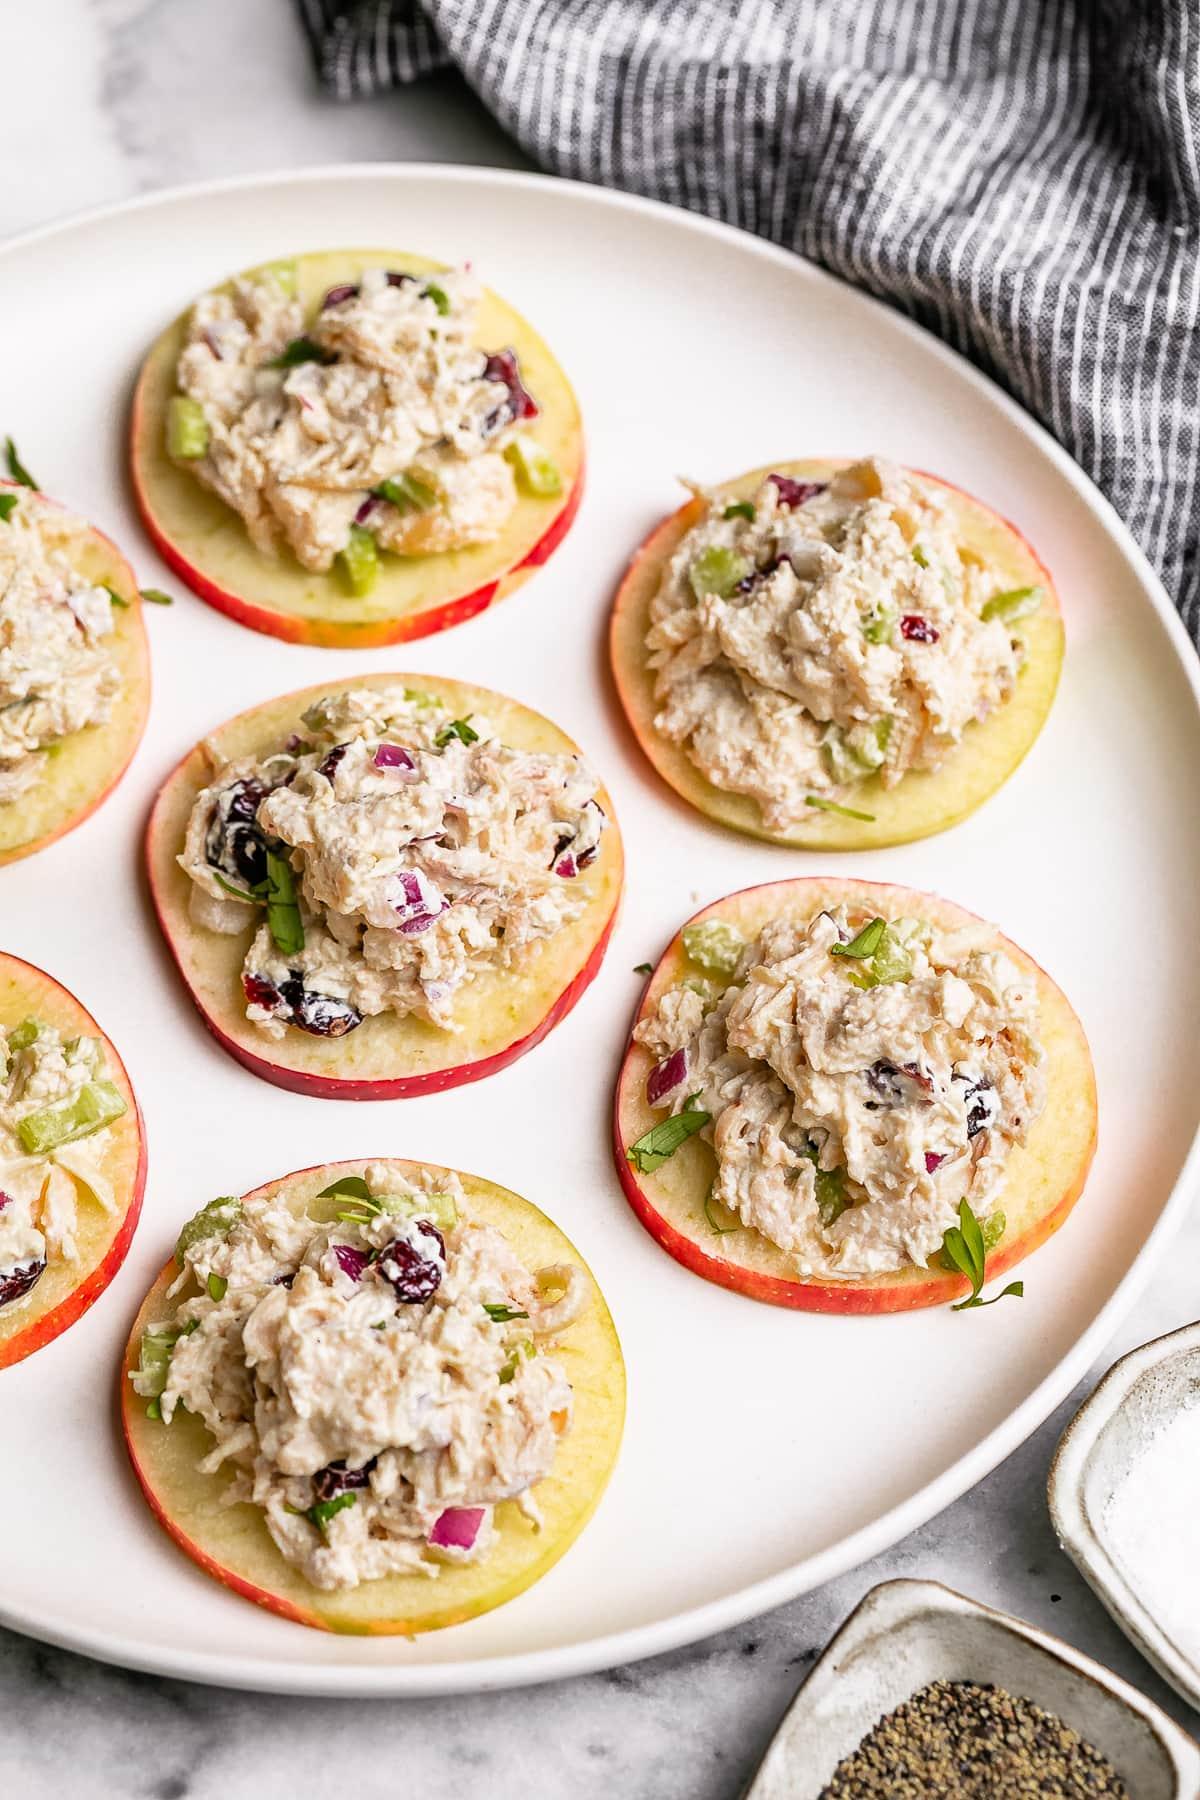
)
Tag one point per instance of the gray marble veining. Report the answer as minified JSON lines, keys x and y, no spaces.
{"x":150,"y":92}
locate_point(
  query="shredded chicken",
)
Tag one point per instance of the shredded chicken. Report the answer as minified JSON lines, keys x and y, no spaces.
{"x":835,"y":634}
{"x":389,"y":386}
{"x":57,"y":674}
{"x":365,"y":1377}
{"x":854,"y":1101}
{"x":423,"y":851}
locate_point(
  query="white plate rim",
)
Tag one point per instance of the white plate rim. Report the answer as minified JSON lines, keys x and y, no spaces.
{"x":261,"y":1674}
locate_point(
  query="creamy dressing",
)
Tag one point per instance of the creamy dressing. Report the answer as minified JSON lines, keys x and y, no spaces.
{"x":41,"y":1074}
{"x":423,"y":852}
{"x":365,"y":1378}
{"x":835,"y":634}
{"x":57,"y":673}
{"x":855,"y":1100}
{"x":393,"y":387}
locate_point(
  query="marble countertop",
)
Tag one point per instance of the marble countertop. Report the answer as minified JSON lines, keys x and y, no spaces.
{"x":147,"y":93}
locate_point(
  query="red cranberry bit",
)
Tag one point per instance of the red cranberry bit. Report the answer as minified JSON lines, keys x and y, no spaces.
{"x":337,"y":1479}
{"x":283,"y":1281}
{"x":350,"y":1261}
{"x":235,"y":844}
{"x":397,"y":278}
{"x":933,"y":1161}
{"x":370,"y":505}
{"x":503,"y":367}
{"x":748,"y":583}
{"x":16,"y":1283}
{"x":918,"y":630}
{"x":329,"y":766}
{"x":320,"y":1014}
{"x":5,"y":1200}
{"x":261,"y":992}
{"x":795,"y":493}
{"x":982,"y":1104}
{"x":413,"y":1276}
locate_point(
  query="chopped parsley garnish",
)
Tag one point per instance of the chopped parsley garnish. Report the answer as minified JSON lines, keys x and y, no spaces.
{"x":660,"y":1143}
{"x":238,"y":893}
{"x":865,"y":944}
{"x":965,"y":1247}
{"x":354,"y":1185}
{"x":217,"y":1286}
{"x":156,"y":597}
{"x":283,"y":909}
{"x":300,"y":350}
{"x":739,"y":509}
{"x":712,"y":1207}
{"x":324,"y":1510}
{"x":7,"y":503}
{"x":457,"y":728}
{"x":16,"y":467}
{"x":832,"y":806}
{"x":643,"y":968}
{"x":407,"y":492}
{"x":117,"y":599}
{"x":501,"y":1314}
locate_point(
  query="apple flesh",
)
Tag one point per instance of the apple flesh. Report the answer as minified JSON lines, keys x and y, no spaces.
{"x":83,"y":769}
{"x":1045,"y":1175}
{"x":500,"y":1014}
{"x":925,"y":801}
{"x":66,"y":1289}
{"x":205,"y":542}
{"x":233,"y":1543}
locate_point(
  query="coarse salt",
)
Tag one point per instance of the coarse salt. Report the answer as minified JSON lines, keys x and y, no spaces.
{"x":1153,"y":1521}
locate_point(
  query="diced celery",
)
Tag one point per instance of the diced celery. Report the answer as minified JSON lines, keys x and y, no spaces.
{"x":1016,"y":603}
{"x":892,"y":961}
{"x":91,"y":1109}
{"x":187,"y":428}
{"x":713,"y":945}
{"x":24,"y":1034}
{"x":718,"y":570}
{"x":877,"y":626}
{"x":994,"y":1227}
{"x":439,"y":296}
{"x":408,"y":492}
{"x":154,"y":1362}
{"x":869,"y":743}
{"x":537,"y":471}
{"x":839,"y":759}
{"x":438,"y":1207}
{"x":360,"y":560}
{"x":217,"y":1219}
{"x":831,"y":1200}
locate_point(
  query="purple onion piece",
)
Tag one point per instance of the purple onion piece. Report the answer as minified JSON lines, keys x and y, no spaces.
{"x":567,"y":867}
{"x":457,"y":1528}
{"x":393,"y":756}
{"x":334,"y":297}
{"x":397,"y":278}
{"x":370,"y":505}
{"x":795,"y":493}
{"x":350,"y":1261}
{"x":666,"y":1076}
{"x":933,"y":1161}
{"x":5,"y":1200}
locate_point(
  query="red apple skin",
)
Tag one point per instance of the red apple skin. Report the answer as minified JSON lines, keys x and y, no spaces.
{"x":328,"y":632}
{"x":124,"y":580}
{"x":43,"y":1328}
{"x":830,"y":1297}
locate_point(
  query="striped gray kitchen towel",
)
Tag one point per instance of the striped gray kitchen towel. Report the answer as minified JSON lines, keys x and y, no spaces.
{"x":1022,"y":176}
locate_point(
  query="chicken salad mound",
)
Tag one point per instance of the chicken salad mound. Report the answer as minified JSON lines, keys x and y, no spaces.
{"x":377,"y":424}
{"x":396,"y":853}
{"x":378,"y":1383}
{"x":856,"y":1077}
{"x":57,"y":674}
{"x":827,"y":632}
{"x":57,"y":1104}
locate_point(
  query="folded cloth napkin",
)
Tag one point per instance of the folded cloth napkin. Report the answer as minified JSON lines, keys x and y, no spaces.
{"x":1021,"y":176}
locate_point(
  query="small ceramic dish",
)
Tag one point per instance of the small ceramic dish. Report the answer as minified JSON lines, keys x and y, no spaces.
{"x":905,"y":1634}
{"x":1135,"y":1400}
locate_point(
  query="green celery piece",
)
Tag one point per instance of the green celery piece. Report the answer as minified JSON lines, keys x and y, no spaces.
{"x":831,"y":1198}
{"x":849,"y":756}
{"x":523,"y":1351}
{"x":739,"y":509}
{"x":661,"y":1142}
{"x":217,"y":1219}
{"x":1016,"y":603}
{"x":154,"y":1360}
{"x":7,"y":504}
{"x":994,"y":1227}
{"x":892,"y":961}
{"x":536,"y":470}
{"x":24,"y":1034}
{"x":360,"y":561}
{"x":91,"y":1109}
{"x":187,"y":428}
{"x":16,"y":467}
{"x":283,"y":909}
{"x":438,"y":1207}
{"x":718,"y":571}
{"x":300,"y":350}
{"x":439,"y":296}
{"x":408,"y":492}
{"x":714,"y":945}
{"x":878,"y":626}
{"x":217,"y":1286}
{"x":869,"y":743}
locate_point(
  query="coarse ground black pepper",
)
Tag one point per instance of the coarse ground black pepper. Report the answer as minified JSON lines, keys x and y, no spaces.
{"x":966,"y":1740}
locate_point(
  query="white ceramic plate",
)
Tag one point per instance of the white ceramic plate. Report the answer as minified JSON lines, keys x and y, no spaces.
{"x":765,"y":1451}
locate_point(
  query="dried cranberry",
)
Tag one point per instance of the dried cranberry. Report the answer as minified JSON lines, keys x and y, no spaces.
{"x":261,"y":992}
{"x":918,"y":630}
{"x":933,"y":1160}
{"x":503,"y":367}
{"x":347,"y":290}
{"x":17,"y":1282}
{"x":981,"y":1101}
{"x":320,"y":1014}
{"x":795,"y":493}
{"x":756,"y":577}
{"x":329,"y":766}
{"x":5,"y":1200}
{"x":235,"y":844}
{"x":916,"y":1073}
{"x":283,"y":1281}
{"x":337,"y":1479}
{"x":413,"y":1276}
{"x":397,"y":278}
{"x":888,"y":1082}
{"x":350,"y":1261}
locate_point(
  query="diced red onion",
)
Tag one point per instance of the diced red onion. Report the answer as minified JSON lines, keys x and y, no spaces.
{"x":933,"y":1161}
{"x":458,"y":1527}
{"x":567,"y":867}
{"x":350,"y":1261}
{"x":393,"y":756}
{"x":213,"y":341}
{"x":396,"y":278}
{"x":335,"y":295}
{"x":370,"y":505}
{"x":666,"y":1076}
{"x":795,"y":493}
{"x":421,"y":904}
{"x":5,"y":1200}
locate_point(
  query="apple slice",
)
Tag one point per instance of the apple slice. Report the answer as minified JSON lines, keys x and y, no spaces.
{"x":925,"y":801}
{"x":67,"y":1289}
{"x":1045,"y":1175}
{"x":83,"y":769}
{"x":206,"y":544}
{"x":233,"y":1543}
{"x":499,"y":1015}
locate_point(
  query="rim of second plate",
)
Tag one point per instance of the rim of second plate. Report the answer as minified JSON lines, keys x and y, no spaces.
{"x":265,"y":1674}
